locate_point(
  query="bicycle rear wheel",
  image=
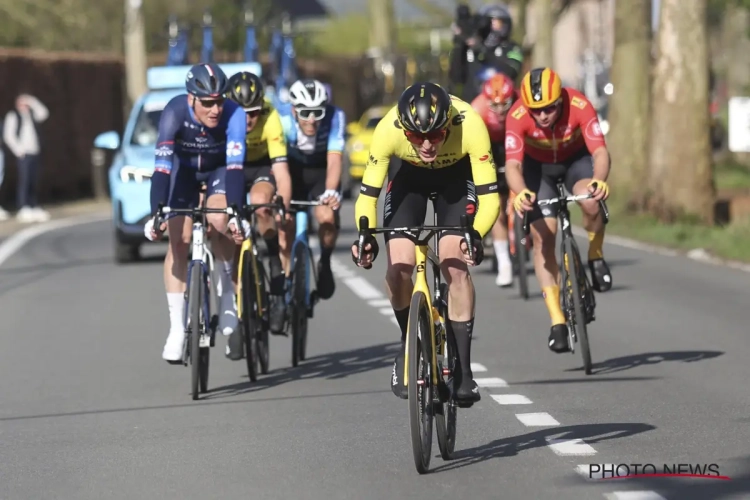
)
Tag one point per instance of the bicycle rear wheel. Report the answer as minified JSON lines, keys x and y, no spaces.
{"x":445,"y":415}
{"x":522,"y":257}
{"x":194,"y":311}
{"x":249,"y":317}
{"x":420,"y":388}
{"x":299,"y":308}
{"x":579,"y":313}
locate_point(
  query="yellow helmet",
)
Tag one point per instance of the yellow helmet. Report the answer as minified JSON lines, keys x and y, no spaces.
{"x":540,"y":88}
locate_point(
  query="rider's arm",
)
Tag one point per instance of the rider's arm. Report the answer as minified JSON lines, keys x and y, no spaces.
{"x":382,"y":146}
{"x":592,"y":134}
{"x":335,"y":149}
{"x":169,"y":124}
{"x":277,"y":151}
{"x":483,"y":171}
{"x":514,"y":149}
{"x":235,"y":177}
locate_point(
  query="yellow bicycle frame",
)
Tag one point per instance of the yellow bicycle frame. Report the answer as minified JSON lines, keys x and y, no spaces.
{"x":247,"y":245}
{"x":420,"y":285}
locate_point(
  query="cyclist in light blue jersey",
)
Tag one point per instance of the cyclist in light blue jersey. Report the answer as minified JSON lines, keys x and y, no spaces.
{"x":315,"y":142}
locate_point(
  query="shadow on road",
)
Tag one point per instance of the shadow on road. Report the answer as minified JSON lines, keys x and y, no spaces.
{"x":512,"y":446}
{"x":585,"y":380}
{"x":652,"y":358}
{"x":737,"y":486}
{"x":331,"y":366}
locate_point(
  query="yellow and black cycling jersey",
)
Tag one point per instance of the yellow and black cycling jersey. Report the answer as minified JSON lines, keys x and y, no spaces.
{"x":266,"y":144}
{"x":466,"y":135}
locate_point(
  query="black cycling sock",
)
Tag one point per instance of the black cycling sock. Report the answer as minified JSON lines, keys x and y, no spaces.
{"x":325,"y":254}
{"x":462,"y":331}
{"x":272,"y":244}
{"x":402,"y":317}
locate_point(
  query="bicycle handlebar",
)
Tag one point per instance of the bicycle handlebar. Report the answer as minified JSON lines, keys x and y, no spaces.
{"x":365,"y":230}
{"x":566,"y":199}
{"x":277,"y":205}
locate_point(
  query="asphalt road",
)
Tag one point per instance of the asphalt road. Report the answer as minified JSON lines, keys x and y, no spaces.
{"x":90,"y":410}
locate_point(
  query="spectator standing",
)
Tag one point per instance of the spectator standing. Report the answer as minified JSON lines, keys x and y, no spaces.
{"x":21,"y":135}
{"x":3,"y":214}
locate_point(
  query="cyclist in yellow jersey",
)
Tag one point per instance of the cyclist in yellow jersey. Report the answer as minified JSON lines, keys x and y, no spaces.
{"x":444,"y":147}
{"x":265,"y":168}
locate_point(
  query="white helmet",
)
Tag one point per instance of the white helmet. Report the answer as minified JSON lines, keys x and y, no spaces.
{"x":308,"y":93}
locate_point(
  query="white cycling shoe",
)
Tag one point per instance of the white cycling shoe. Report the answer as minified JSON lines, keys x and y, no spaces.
{"x":228,"y":319}
{"x":174,"y":346}
{"x":504,"y":273}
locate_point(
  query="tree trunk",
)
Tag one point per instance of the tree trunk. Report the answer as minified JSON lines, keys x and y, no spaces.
{"x":629,"y":104}
{"x":542,"y":55}
{"x":681,"y":170}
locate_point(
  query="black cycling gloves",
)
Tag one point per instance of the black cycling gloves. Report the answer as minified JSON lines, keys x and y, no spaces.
{"x":369,"y":240}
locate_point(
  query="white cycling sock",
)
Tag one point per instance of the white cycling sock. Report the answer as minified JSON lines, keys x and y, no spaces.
{"x":501,"y":250}
{"x":176,"y":303}
{"x":225,"y":274}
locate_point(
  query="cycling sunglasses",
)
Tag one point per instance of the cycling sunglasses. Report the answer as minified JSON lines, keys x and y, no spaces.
{"x":431,"y":137}
{"x":311,"y":113}
{"x":546,"y":110}
{"x":502,"y":106}
{"x":252,"y":113}
{"x":210,"y":103}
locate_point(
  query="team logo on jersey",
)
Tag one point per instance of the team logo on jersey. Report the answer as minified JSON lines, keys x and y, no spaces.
{"x":234,"y":149}
{"x":513,"y":143}
{"x":484,"y":158}
{"x":517,"y":114}
{"x":578,"y":102}
{"x":164,"y":151}
{"x":593,"y":130}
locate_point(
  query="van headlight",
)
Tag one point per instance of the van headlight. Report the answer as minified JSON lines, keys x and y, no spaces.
{"x":135,"y":174}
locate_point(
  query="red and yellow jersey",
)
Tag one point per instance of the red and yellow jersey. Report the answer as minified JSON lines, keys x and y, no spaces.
{"x":577,"y":128}
{"x":495,"y":127}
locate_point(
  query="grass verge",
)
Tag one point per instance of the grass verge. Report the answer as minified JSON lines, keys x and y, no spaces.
{"x":728,"y":242}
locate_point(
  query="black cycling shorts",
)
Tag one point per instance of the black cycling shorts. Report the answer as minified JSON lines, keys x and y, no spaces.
{"x":542,"y":178}
{"x":409,"y":189}
{"x":309,"y":183}
{"x":498,"y":153}
{"x":258,"y":173}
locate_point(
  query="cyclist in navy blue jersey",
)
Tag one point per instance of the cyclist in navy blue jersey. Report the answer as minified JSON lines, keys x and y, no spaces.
{"x":201,"y":140}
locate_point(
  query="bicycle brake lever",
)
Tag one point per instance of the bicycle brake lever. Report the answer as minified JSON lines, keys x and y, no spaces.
{"x":525,"y":223}
{"x":605,"y":211}
{"x":467,"y":235}
{"x":364,"y":225}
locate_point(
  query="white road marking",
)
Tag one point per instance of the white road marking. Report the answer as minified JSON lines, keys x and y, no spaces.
{"x":511,"y":399}
{"x":568,"y":447}
{"x":380,"y":303}
{"x":491,"y":382}
{"x":17,"y":240}
{"x":362,"y":288}
{"x":386,"y":311}
{"x":537,"y":419}
{"x":633,"y":495}
{"x":478,"y":367}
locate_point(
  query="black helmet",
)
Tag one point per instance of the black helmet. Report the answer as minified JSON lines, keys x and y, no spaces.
{"x":499,"y":11}
{"x":206,"y":80}
{"x":246,"y":89}
{"x":424,"y":108}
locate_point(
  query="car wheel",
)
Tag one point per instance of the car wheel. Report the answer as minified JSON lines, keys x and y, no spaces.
{"x":126,"y":253}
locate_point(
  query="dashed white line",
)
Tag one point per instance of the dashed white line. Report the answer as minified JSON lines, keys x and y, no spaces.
{"x":491,"y":382}
{"x":380,"y":303}
{"x":511,"y":399}
{"x":478,"y":367}
{"x":386,"y":311}
{"x":537,"y":419}
{"x":633,"y":495}
{"x":362,"y":288}
{"x":568,"y":447}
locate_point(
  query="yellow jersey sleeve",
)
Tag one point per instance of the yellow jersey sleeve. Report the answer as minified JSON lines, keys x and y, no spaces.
{"x":477,"y":145}
{"x":385,"y":139}
{"x":273,"y":134}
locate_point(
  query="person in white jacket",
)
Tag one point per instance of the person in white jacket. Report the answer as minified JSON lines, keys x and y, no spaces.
{"x":22,"y":138}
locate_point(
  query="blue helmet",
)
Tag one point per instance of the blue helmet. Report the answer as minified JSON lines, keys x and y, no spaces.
{"x":206,"y":80}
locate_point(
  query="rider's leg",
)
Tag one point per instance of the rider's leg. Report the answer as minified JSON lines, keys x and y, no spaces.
{"x":327,"y":234}
{"x":576,"y":180}
{"x":223,"y":248}
{"x":175,"y":278}
{"x":500,"y":244}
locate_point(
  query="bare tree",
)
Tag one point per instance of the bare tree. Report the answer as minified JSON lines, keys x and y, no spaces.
{"x":681,"y":170}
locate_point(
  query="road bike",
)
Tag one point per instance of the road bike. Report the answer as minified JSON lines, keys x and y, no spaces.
{"x":301,"y":294}
{"x":520,"y":246}
{"x":253,"y":304}
{"x":428,"y":362}
{"x":200,"y":323}
{"x":577,"y":294}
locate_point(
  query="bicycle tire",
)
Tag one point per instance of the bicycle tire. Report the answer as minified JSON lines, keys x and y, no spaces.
{"x":299,"y":308}
{"x":579,"y":323}
{"x":419,"y":356}
{"x":261,"y":333}
{"x":248,"y":317}
{"x":522,"y":258}
{"x":194,"y":310}
{"x":446,"y":418}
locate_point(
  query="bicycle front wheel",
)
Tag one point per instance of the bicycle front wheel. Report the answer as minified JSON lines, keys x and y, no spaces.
{"x":261,"y":335}
{"x":194,"y":310}
{"x":579,"y":313}
{"x":248,"y":316}
{"x":445,"y":414}
{"x":299,"y":306}
{"x":522,"y":257}
{"x":419,"y":384}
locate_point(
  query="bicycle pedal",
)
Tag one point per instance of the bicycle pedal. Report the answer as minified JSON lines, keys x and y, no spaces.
{"x":205,"y":341}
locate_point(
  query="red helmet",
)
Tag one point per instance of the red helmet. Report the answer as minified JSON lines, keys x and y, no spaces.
{"x":498,"y":89}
